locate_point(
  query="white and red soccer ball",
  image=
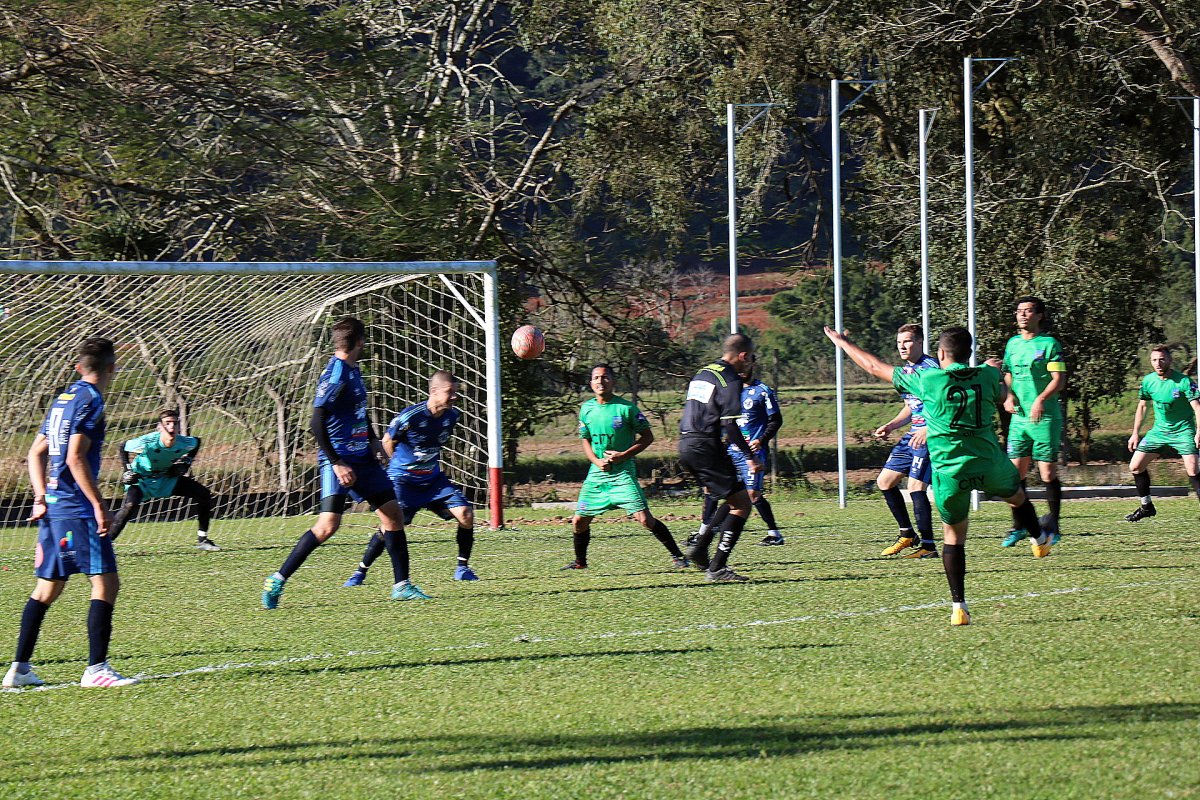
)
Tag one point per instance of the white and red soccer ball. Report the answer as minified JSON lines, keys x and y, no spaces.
{"x":528,"y":342}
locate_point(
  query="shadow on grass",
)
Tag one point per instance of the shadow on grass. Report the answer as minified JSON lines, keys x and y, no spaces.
{"x":800,"y":736}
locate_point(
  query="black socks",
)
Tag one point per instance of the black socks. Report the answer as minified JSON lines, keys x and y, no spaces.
{"x":465,"y":537}
{"x":661,"y":533}
{"x":729,"y":536}
{"x":895,"y":503}
{"x":396,"y":543}
{"x":1054,"y":497}
{"x":31,"y":626}
{"x":1142,"y":481}
{"x":581,"y":540}
{"x":954,"y":561}
{"x":99,"y":626}
{"x":766,"y":512}
{"x":304,"y":547}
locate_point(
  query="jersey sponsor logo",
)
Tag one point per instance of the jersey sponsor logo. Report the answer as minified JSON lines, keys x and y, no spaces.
{"x":700,"y":391}
{"x":617,"y":423}
{"x":748,"y":403}
{"x":66,"y":396}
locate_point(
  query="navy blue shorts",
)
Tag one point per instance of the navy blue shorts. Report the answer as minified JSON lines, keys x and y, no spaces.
{"x":742,"y":464}
{"x":68,"y":546}
{"x":371,"y":486}
{"x":910,"y":461}
{"x":439,"y":496}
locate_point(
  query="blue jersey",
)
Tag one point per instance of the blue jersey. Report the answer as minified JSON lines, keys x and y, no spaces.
{"x":759,"y":404}
{"x":80,"y":409}
{"x":418,"y":437}
{"x":343,"y":395}
{"x":912,"y":401}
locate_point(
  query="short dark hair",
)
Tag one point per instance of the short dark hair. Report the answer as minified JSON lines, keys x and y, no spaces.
{"x":957,"y":343}
{"x":95,"y":354}
{"x":347,"y":332}
{"x":1161,"y":348}
{"x":168,"y":412}
{"x":914,"y":329}
{"x":1038,"y":305}
{"x":443,"y":375}
{"x":602,"y":365}
{"x":736,"y":343}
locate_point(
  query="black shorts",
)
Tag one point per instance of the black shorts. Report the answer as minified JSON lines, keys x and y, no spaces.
{"x":710,"y":464}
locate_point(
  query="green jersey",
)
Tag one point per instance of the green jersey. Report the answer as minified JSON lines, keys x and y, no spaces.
{"x":1033,"y":363}
{"x":1172,"y":397}
{"x":960,"y":402}
{"x":611,"y":426}
{"x":152,"y":460}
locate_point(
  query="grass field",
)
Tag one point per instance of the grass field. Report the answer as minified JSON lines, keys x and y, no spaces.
{"x":834,"y":673}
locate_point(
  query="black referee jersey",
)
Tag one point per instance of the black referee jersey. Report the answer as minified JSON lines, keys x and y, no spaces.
{"x":713,"y":396}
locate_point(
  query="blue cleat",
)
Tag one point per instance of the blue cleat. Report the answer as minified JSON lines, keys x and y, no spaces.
{"x":407,"y":590}
{"x":1050,"y":525}
{"x":355,"y":579}
{"x":465,"y":573}
{"x":1014,"y":537}
{"x":272,"y":589}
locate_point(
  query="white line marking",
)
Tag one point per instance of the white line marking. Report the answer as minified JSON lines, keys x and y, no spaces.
{"x":583,"y":637}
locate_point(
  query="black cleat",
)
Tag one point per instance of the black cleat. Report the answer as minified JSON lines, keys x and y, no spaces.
{"x":698,"y":555}
{"x":725,"y":575}
{"x":1145,"y":510}
{"x":576,"y":565}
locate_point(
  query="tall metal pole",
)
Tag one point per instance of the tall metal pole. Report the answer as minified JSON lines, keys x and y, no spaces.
{"x":969,"y":146}
{"x":925,"y":121}
{"x":731,"y":167}
{"x":1196,"y":213}
{"x":839,"y":366}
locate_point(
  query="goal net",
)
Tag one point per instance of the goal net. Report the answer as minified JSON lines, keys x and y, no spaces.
{"x":236,"y":350}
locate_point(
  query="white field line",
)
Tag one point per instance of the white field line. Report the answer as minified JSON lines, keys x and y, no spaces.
{"x":583,"y":637}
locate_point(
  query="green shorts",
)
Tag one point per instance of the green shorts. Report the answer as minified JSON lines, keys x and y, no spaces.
{"x":602,"y":492}
{"x":1042,"y":440}
{"x":952,"y":488}
{"x":1157,"y":441}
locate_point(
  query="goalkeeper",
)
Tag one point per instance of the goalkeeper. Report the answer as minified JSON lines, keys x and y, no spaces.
{"x":156,"y":466}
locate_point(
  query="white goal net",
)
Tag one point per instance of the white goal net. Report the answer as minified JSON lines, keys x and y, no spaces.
{"x":236,"y":350}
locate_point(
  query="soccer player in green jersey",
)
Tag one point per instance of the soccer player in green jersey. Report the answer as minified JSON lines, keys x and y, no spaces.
{"x":1036,"y":374}
{"x":959,"y":404}
{"x":1176,"y":426}
{"x":613,"y":432}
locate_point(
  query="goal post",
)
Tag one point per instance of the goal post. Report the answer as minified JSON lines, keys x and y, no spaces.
{"x":236,"y":349}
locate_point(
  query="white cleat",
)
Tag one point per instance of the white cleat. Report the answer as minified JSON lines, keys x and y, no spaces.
{"x":104,"y":676}
{"x":15,"y":680}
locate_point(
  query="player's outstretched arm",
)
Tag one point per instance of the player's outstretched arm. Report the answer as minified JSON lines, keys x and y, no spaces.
{"x":867,"y":361}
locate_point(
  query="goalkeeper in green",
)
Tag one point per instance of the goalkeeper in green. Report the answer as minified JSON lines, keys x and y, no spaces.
{"x":156,"y":466}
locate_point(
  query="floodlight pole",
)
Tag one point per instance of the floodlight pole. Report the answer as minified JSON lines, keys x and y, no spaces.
{"x":926,"y":117}
{"x":732,"y":131}
{"x":835,"y":110}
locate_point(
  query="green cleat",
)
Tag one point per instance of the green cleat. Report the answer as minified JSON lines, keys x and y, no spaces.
{"x":1013,"y":537}
{"x":272,"y":589}
{"x":407,"y":590}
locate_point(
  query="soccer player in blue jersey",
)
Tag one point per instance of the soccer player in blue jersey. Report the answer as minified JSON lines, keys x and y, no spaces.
{"x":73,"y":520}
{"x":414,"y":441}
{"x":761,"y":419}
{"x":348,"y":460}
{"x":910,"y":456}
{"x":156,"y":465}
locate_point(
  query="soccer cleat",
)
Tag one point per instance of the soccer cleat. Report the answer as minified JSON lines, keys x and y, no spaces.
{"x":575,"y":565}
{"x":272,"y":589}
{"x":698,"y":555}
{"x":207,"y":544}
{"x":680,"y":562}
{"x":357,"y":578}
{"x":691,"y":541}
{"x":922,"y":552}
{"x":725,"y":575}
{"x":770,"y":541}
{"x":1143,"y":511}
{"x":1050,"y":526}
{"x":1013,"y":537}
{"x":901,"y":543}
{"x":407,"y":590}
{"x":1040,"y":550}
{"x":104,"y":676}
{"x":960,"y":616}
{"x":464,"y":573}
{"x":15,"y":680}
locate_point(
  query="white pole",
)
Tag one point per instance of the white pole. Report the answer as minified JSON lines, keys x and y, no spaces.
{"x":926,"y":123}
{"x":968,"y":101}
{"x":1196,"y":212}
{"x":731,"y":167}
{"x":491,"y":339}
{"x":836,"y":150}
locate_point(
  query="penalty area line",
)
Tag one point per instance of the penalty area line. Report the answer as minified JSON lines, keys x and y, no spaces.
{"x":586,"y":637}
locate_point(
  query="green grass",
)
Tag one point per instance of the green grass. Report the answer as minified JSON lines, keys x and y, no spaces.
{"x":834,"y":673}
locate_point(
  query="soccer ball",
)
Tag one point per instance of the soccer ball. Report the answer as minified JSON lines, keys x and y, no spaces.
{"x":528,"y":342}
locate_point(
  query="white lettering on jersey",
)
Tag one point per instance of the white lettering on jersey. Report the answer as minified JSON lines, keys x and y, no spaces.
{"x":701,"y":391}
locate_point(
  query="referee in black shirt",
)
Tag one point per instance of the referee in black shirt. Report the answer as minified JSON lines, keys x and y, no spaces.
{"x":710,"y":412}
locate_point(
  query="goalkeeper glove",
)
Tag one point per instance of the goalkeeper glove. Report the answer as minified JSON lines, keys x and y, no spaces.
{"x":129,"y":477}
{"x":179,"y":466}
